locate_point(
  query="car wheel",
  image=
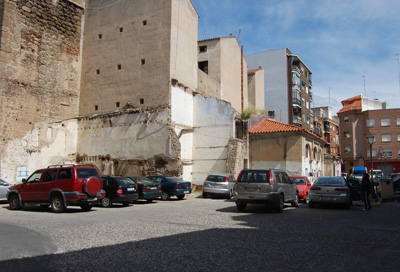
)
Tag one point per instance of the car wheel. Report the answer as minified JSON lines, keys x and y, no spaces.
{"x":126,"y":204}
{"x":86,"y":207}
{"x":204,"y":195}
{"x":14,"y":202}
{"x":165,"y":196}
{"x":106,"y":202}
{"x":241,"y":207}
{"x":295,"y":202}
{"x":149,"y":200}
{"x":180,"y":197}
{"x":57,"y":204}
{"x":279,"y":208}
{"x":311,"y":204}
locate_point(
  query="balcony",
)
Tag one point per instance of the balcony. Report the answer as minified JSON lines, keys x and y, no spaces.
{"x":296,"y":102}
{"x":295,"y":69}
{"x":297,"y":121}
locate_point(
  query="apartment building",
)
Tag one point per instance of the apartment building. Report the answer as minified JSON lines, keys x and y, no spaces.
{"x":327,"y":126}
{"x":288,"y":86}
{"x":361,"y":116}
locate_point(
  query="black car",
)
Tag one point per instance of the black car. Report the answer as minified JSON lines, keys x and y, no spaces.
{"x":172,"y":186}
{"x":118,"y":190}
{"x":147,"y":188}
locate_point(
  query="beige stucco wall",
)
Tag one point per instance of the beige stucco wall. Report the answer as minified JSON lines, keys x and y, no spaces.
{"x":184,"y":27}
{"x":136,"y":42}
{"x":256,"y":90}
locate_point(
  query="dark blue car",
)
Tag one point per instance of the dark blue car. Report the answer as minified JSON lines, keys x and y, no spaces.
{"x":172,"y":186}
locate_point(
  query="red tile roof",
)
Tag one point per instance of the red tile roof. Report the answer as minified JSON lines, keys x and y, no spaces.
{"x":353,"y":103}
{"x":254,"y":70}
{"x":270,"y":126}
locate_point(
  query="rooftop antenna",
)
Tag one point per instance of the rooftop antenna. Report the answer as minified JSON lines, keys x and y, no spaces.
{"x":398,"y":67}
{"x":239,"y":30}
{"x":365,"y":91}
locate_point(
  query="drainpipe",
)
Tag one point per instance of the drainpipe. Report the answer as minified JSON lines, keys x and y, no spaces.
{"x":241,"y":80}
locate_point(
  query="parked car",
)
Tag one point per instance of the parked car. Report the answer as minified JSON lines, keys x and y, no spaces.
{"x":147,"y":189}
{"x":219,"y":185}
{"x":303,"y":185}
{"x":172,"y":186}
{"x":59,"y":186}
{"x":394,"y":175}
{"x":271,"y":187}
{"x":4,"y":185}
{"x":118,"y":190}
{"x":330,"y":190}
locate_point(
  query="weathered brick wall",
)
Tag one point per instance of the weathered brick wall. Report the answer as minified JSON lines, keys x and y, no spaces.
{"x":39,"y":63}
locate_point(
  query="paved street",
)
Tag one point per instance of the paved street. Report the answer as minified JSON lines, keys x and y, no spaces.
{"x":198,"y":234}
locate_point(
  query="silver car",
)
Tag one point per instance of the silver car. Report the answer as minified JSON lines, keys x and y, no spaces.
{"x":271,"y":187}
{"x":330,"y":190}
{"x":219,"y":185}
{"x":3,"y":189}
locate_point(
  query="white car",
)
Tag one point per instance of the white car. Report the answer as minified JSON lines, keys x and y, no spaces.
{"x":3,"y":189}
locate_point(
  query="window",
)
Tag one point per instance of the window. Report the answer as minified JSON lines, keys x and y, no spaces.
{"x":373,"y":153}
{"x":96,"y":107}
{"x":386,"y":138}
{"x":398,"y":137}
{"x":385,"y":122}
{"x":143,"y":61}
{"x":100,"y":36}
{"x":346,"y":119}
{"x":98,"y":71}
{"x":398,"y":152}
{"x":141,"y":101}
{"x":347,"y":149}
{"x":307,"y":105}
{"x":347,"y":135}
{"x":387,"y":153}
{"x":119,"y":66}
{"x":144,"y":22}
{"x":203,"y":48}
{"x":398,"y":121}
{"x":303,"y":102}
{"x":121,"y":29}
{"x":370,"y":122}
{"x":203,"y":65}
{"x":117,"y":104}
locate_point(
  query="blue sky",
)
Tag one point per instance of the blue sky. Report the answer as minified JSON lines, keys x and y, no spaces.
{"x":344,"y":42}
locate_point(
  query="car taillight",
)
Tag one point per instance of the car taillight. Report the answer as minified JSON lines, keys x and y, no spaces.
{"x":139,"y":182}
{"x":178,"y":185}
{"x":239,"y":177}
{"x":159,"y":187}
{"x":271,"y":178}
{"x":341,"y":189}
{"x":119,"y":191}
{"x":226,"y":179}
{"x":315,"y":188}
{"x":146,"y":189}
{"x":207,"y":177}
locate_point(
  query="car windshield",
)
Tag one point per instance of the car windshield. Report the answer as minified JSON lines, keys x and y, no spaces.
{"x":216,"y":178}
{"x":174,"y":179}
{"x":87,"y":172}
{"x":142,"y":180}
{"x":256,"y":176}
{"x":330,"y":181}
{"x":125,"y":181}
{"x":299,"y":181}
{"x":358,"y":172}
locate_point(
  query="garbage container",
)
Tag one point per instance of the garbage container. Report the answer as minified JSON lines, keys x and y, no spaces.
{"x":387,"y":191}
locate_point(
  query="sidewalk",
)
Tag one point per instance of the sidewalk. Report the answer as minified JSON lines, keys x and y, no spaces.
{"x":388,"y":202}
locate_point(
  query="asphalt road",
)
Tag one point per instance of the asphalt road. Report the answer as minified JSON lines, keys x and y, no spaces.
{"x":198,"y":234}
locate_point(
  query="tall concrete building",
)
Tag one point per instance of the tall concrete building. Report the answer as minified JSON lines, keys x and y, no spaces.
{"x":288,"y":86}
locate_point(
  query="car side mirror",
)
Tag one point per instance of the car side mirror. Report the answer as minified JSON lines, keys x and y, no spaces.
{"x":23,"y":180}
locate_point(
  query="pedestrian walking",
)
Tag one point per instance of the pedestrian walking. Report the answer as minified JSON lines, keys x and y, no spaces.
{"x":365,"y":189}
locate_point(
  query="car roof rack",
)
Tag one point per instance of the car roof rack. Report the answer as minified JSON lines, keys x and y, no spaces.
{"x":60,"y":165}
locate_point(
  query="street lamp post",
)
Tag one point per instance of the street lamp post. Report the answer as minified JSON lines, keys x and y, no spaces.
{"x":371,"y":140}
{"x":381,"y":153}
